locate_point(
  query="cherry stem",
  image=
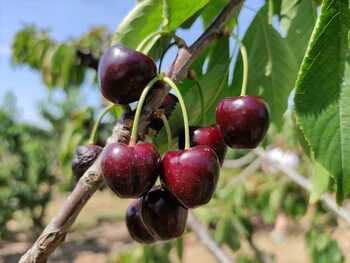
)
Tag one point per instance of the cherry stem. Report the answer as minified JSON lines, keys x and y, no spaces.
{"x":163,"y":55}
{"x":144,"y":42}
{"x":167,"y":129}
{"x":244,"y":55}
{"x":98,"y":122}
{"x":183,"y":109}
{"x":270,"y":11}
{"x":133,"y":138}
{"x":201,"y":97}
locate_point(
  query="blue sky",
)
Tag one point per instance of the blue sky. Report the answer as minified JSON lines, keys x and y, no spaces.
{"x":65,"y":19}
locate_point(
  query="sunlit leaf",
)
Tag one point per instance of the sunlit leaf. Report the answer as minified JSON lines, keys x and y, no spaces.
{"x":145,"y":18}
{"x":178,"y":11}
{"x":322,"y":100}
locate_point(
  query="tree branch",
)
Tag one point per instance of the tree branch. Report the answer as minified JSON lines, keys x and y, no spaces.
{"x":55,"y":232}
{"x":305,"y":183}
{"x":205,"y":238}
{"x":238,"y":163}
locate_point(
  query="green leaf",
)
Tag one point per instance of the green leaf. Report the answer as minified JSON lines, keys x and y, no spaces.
{"x":144,"y":19}
{"x":159,"y":46}
{"x":298,"y":20}
{"x":276,"y":6}
{"x":322,"y":100}
{"x":320,"y":182}
{"x":227,"y":234}
{"x":272,"y":67}
{"x":213,"y":8}
{"x":322,"y":248}
{"x":49,"y":74}
{"x":180,"y":248}
{"x":176,"y":12}
{"x":149,"y":45}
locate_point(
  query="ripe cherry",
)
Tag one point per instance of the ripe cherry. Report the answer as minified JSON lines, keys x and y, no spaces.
{"x":84,"y":157}
{"x":130,"y":171}
{"x":243,"y":120}
{"x":168,"y":106}
{"x":191,"y":175}
{"x":162,"y":214}
{"x":210,"y":136}
{"x":123,"y":74}
{"x":135,"y":225}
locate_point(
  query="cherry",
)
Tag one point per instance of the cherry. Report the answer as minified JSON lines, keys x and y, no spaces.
{"x":168,"y":106}
{"x":243,"y":120}
{"x":191,"y":175}
{"x":135,"y":225}
{"x":83,"y":158}
{"x":210,"y":136}
{"x":162,"y":214}
{"x":130,"y":171}
{"x":124,"y":73}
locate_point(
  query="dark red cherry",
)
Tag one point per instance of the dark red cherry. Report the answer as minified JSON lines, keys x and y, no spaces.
{"x":83,"y":158}
{"x":123,"y":74}
{"x":168,"y":106}
{"x":130,"y":171}
{"x":210,"y":136}
{"x":135,"y":225}
{"x":191,"y":175}
{"x":163,"y":215}
{"x":243,"y":120}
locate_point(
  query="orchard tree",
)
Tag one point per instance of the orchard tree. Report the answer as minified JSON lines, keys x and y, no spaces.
{"x":292,"y":49}
{"x":27,"y":170}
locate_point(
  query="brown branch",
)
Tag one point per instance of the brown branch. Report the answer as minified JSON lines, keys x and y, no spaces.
{"x":240,"y":162}
{"x":305,"y":183}
{"x":55,"y":232}
{"x":204,"y":237}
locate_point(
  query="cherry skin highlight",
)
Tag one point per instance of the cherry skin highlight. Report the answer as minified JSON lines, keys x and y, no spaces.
{"x":163,"y":215}
{"x":130,"y":171}
{"x":210,"y":136}
{"x":84,"y":157}
{"x":191,"y":175}
{"x":135,"y":225}
{"x":243,"y":121}
{"x":124,"y":73}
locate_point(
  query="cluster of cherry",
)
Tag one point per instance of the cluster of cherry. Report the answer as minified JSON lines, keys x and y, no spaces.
{"x":189,"y":175}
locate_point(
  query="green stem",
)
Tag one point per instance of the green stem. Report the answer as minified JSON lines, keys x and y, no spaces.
{"x":133,"y":138}
{"x":183,"y":108}
{"x":270,"y":11}
{"x":97,"y":123}
{"x":167,"y":129}
{"x":141,"y":46}
{"x":245,"y":64}
{"x":163,"y":55}
{"x":201,"y":97}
